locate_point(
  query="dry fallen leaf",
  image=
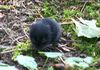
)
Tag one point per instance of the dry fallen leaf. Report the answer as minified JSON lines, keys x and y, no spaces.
{"x":1,"y":15}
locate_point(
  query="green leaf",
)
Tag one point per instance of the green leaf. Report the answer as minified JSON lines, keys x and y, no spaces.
{"x":52,"y":54}
{"x":7,"y":67}
{"x":80,"y":62}
{"x":73,"y":60}
{"x":27,"y":62}
{"x":86,"y":28}
{"x":50,"y":68}
{"x":88,"y":60}
{"x":83,"y":65}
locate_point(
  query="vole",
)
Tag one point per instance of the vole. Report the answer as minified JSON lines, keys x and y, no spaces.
{"x":44,"y":32}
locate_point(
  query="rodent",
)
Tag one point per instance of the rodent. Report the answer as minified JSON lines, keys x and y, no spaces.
{"x":45,"y":31}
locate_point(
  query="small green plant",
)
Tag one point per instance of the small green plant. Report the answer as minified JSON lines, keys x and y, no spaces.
{"x":92,"y":13}
{"x":71,"y":13}
{"x":49,"y":11}
{"x":89,"y":9}
{"x":23,"y":46}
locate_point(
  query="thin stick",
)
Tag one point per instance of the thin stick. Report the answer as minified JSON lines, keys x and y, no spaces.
{"x":83,"y":6}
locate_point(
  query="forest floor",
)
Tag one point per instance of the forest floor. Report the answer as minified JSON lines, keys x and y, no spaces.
{"x":16,"y":16}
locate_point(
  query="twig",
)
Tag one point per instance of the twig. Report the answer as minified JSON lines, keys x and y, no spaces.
{"x":64,"y":23}
{"x":8,"y":34}
{"x":4,"y":47}
{"x":40,"y":14}
{"x":62,"y":60}
{"x":59,"y":50}
{"x":83,"y":6}
{"x":9,"y":51}
{"x":9,"y":48}
{"x":5,"y":30}
{"x":24,"y":31}
{"x":2,"y":39}
{"x":17,"y":39}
